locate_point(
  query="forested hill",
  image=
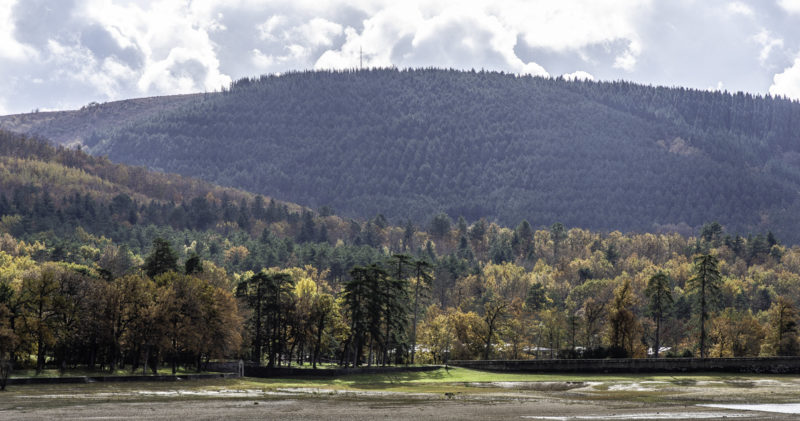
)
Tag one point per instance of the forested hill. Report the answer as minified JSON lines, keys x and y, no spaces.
{"x":47,"y":192}
{"x":85,"y":243}
{"x":77,"y":126}
{"x":410,"y":144}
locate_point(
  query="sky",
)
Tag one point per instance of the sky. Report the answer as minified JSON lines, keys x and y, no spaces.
{"x":63,"y":54}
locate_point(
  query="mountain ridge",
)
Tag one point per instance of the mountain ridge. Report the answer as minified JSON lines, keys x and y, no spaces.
{"x":410,"y":144}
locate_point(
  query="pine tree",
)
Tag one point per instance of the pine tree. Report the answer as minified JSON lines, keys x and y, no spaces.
{"x":705,"y":285}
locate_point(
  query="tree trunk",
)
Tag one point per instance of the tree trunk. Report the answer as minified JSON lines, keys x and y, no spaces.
{"x":318,"y":344}
{"x":39,"y":354}
{"x":154,"y":365}
{"x":703,"y":321}
{"x":146,"y":359}
{"x":414,"y":320}
{"x":658,"y":333}
{"x":92,"y":353}
{"x":174,"y":356}
{"x":369,"y":358}
{"x":5,"y":369}
{"x":488,"y":342}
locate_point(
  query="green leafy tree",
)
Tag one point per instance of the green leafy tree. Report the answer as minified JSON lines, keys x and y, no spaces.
{"x":536,"y":298}
{"x":322,"y":313}
{"x":494,"y":312}
{"x":8,"y":338}
{"x":783,"y":333}
{"x":39,"y":297}
{"x":622,"y":323}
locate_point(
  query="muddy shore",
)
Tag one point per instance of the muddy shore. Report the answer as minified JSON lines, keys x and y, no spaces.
{"x":243,"y":399}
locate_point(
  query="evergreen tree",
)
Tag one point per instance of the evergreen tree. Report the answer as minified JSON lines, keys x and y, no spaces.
{"x":161,"y":259}
{"x":193,"y":265}
{"x":705,"y":284}
{"x":660,"y":295}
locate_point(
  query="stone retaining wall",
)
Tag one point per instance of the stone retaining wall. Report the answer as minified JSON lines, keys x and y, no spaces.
{"x":771,"y":365}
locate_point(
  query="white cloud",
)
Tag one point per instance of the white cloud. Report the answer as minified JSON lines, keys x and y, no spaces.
{"x":173,"y":38}
{"x":176,"y":47}
{"x":579,"y":75}
{"x":267,"y":29}
{"x":348,"y":56}
{"x":787,"y":83}
{"x":791,"y":6}
{"x":572,"y":25}
{"x":183,"y":70}
{"x":317,"y":32}
{"x":767,"y":43}
{"x":409,"y":36}
{"x":260,"y":60}
{"x":466,"y":40}
{"x":385,"y":34}
{"x":718,"y":87}
{"x":78,"y":64}
{"x":739,"y":8}
{"x":112,"y":49}
{"x":10,"y":48}
{"x":627,"y":60}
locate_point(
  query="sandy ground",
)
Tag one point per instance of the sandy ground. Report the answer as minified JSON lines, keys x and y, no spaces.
{"x":238,"y":400}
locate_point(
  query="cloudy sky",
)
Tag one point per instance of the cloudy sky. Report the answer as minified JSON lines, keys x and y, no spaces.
{"x":62,"y":54}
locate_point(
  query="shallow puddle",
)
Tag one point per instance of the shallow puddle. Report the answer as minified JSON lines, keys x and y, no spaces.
{"x":645,"y":416}
{"x":537,"y":386}
{"x":781,"y":408}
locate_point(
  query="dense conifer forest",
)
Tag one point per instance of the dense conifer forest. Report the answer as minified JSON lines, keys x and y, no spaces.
{"x":109,"y":266}
{"x":411,"y":144}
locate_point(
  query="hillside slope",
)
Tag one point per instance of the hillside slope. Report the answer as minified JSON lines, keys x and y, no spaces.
{"x":410,"y":144}
{"x":54,"y":190}
{"x":78,"y":126}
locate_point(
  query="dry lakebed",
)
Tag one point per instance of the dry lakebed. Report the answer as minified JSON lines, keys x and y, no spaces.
{"x":454,"y":394}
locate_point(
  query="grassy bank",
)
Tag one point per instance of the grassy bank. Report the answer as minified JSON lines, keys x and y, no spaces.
{"x":474,"y":381}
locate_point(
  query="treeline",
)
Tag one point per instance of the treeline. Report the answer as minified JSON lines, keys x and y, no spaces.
{"x":410,"y":144}
{"x":67,"y":315}
{"x":559,"y":292}
{"x":127,"y":313}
